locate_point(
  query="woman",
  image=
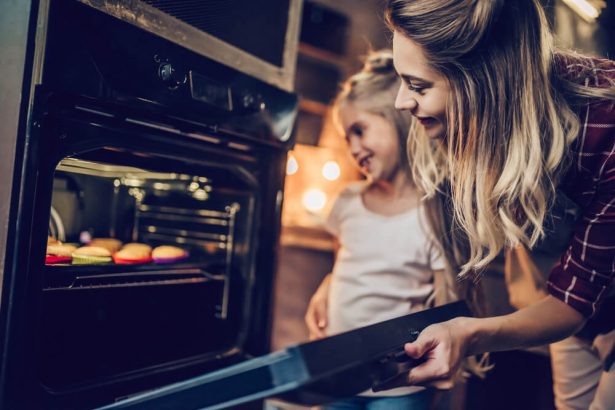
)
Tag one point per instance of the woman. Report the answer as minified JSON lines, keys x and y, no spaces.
{"x":507,"y":121}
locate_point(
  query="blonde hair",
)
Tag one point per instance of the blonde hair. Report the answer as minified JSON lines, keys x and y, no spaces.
{"x":373,"y":89}
{"x":510,"y":117}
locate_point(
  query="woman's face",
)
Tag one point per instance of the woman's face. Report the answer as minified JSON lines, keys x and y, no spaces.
{"x":372,"y":140}
{"x":423,"y":92}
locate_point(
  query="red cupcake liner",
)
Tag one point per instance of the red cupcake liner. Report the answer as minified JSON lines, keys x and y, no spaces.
{"x":53,"y":259}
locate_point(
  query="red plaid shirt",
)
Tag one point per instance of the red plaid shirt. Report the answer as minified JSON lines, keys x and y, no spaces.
{"x":584,"y":276}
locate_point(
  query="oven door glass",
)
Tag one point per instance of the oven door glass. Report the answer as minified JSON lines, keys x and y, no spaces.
{"x":145,"y":267}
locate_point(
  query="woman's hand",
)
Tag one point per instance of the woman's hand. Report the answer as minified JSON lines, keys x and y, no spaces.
{"x":443,"y":346}
{"x":441,"y":349}
{"x":316,"y":315}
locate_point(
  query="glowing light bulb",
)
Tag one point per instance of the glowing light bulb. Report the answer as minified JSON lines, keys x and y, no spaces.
{"x":583,"y":8}
{"x":331,"y":170}
{"x":314,"y":199}
{"x":292,"y":166}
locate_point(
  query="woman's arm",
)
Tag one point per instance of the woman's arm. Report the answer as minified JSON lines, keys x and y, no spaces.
{"x":446,"y":344}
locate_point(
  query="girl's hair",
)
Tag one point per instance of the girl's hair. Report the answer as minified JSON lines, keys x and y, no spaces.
{"x":373,"y":89}
{"x":510,"y":116}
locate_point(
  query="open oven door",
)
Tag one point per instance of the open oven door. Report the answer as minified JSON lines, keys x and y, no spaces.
{"x":312,"y":373}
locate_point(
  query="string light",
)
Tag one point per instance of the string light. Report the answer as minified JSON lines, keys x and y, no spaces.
{"x":314,"y":199}
{"x":584,"y":8}
{"x":331,"y":170}
{"x":292,"y":166}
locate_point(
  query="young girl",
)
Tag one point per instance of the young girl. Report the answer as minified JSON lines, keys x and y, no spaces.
{"x":507,"y":121}
{"x":386,"y":259}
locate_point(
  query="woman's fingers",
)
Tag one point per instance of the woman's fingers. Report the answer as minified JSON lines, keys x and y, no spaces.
{"x":433,"y":373}
{"x":438,"y":353}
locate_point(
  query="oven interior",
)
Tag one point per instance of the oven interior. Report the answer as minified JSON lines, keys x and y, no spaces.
{"x":105,"y":320}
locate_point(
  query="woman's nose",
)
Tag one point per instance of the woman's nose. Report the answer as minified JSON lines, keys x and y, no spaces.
{"x":404,"y":99}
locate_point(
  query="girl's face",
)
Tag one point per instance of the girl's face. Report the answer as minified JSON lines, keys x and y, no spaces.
{"x":423,"y":92}
{"x":372,"y":140}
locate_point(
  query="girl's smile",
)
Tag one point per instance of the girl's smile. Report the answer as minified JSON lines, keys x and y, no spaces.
{"x":372,"y":141}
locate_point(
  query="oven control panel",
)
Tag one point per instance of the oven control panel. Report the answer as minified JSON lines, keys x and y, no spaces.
{"x":96,"y":55}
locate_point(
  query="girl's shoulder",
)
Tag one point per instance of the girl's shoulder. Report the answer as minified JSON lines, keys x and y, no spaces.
{"x":353,"y":189}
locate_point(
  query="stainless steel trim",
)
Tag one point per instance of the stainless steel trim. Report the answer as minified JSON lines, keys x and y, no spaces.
{"x":182,"y":211}
{"x":232,"y":211}
{"x":100,"y":169}
{"x":104,"y":114}
{"x":161,"y":24}
{"x":181,"y":240}
{"x":15,"y":86}
{"x":185,"y":233}
{"x":179,"y":218}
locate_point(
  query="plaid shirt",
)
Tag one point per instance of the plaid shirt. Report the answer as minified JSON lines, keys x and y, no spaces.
{"x":584,"y":276}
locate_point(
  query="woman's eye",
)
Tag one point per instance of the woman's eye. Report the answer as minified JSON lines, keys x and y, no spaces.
{"x":415,"y":88}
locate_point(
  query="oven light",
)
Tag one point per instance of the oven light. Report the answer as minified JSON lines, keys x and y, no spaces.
{"x":314,"y":199}
{"x":200,"y":194}
{"x":331,"y":171}
{"x":134,"y":182}
{"x":292,"y":166}
{"x":136,"y":193}
{"x":161,"y":186}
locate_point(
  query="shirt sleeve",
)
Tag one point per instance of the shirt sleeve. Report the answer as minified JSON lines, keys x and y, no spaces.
{"x":586,"y":270}
{"x":334,"y":218}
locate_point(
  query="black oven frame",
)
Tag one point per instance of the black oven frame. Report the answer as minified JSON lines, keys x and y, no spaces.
{"x":46,"y":108}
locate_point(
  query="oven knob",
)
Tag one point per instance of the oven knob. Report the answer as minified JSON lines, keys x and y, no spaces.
{"x":169,"y":76}
{"x":252,"y":103}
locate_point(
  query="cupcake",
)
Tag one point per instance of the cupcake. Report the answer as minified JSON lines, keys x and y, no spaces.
{"x":91,"y":255}
{"x":110,"y":244}
{"x":60,"y":249}
{"x":168,"y":254}
{"x":141,"y":247}
{"x":133,"y":253}
{"x":53,"y":241}
{"x":58,"y":253}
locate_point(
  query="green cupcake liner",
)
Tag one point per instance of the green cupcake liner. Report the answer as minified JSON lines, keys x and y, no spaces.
{"x":90,"y":260}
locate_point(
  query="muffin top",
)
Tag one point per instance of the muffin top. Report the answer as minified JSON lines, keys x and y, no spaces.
{"x":141,"y":247}
{"x":133,"y":253}
{"x":110,"y":244}
{"x":60,"y":250}
{"x":92,"y":251}
{"x":166,"y":251}
{"x":53,"y":241}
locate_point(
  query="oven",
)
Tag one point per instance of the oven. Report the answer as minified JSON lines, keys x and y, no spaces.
{"x":134,"y":137}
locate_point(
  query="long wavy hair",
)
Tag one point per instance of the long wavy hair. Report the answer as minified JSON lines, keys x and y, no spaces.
{"x":510,"y":117}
